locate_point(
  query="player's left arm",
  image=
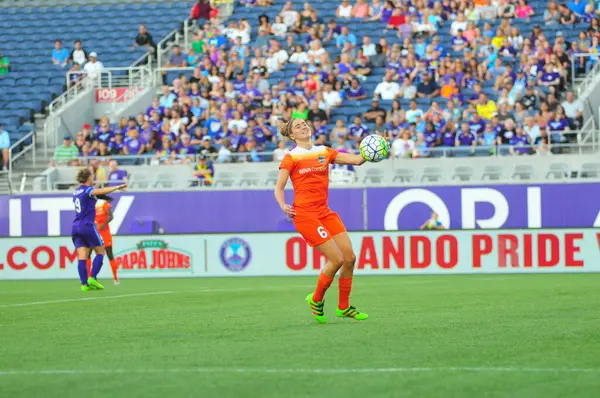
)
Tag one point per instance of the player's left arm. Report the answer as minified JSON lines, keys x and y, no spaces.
{"x":348,"y":158}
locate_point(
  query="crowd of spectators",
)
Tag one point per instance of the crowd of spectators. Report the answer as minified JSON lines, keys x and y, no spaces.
{"x":482,"y":87}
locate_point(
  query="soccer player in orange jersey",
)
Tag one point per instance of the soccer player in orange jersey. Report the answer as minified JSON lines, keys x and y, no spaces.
{"x":104,"y":215}
{"x":307,"y":165}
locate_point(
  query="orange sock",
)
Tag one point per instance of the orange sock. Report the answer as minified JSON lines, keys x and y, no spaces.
{"x":114,"y":267}
{"x":88,"y":264}
{"x":345,"y":285}
{"x":322,"y":286}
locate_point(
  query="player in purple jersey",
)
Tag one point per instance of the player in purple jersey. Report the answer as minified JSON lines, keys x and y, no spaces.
{"x":84,"y":233}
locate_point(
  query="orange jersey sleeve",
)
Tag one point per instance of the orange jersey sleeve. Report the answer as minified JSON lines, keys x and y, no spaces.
{"x":309,"y":172}
{"x":102,"y":212}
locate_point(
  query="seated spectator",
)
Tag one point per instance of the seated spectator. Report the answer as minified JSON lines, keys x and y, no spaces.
{"x":398,"y":19}
{"x":421,"y":149}
{"x":75,"y":75}
{"x":4,"y":64}
{"x":368,"y":48}
{"x":357,"y":130}
{"x":355,"y":91}
{"x":486,"y":107}
{"x":278,"y":57}
{"x":344,"y":10}
{"x":345,"y":37}
{"x":374,"y":112}
{"x":316,"y":113}
{"x":552,"y":13}
{"x":464,"y":136}
{"x":577,"y":7}
{"x":60,"y":55}
{"x":78,"y":56}
{"x":403,"y":147}
{"x":93,"y":68}
{"x":567,"y":17}
{"x":427,"y":88}
{"x":144,"y":39}
{"x":460,"y":23}
{"x":167,"y":99}
{"x":361,"y":9}
{"x":289,"y":16}
{"x":116,"y":176}
{"x":573,"y":110}
{"x":177,"y":59}
{"x":520,"y":143}
{"x":488,"y":11}
{"x":65,"y":154}
{"x":388,"y":89}
{"x":524,"y":10}
{"x":204,"y":171}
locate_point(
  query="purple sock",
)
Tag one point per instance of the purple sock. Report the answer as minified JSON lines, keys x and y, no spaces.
{"x":97,"y":265}
{"x":82,"y":268}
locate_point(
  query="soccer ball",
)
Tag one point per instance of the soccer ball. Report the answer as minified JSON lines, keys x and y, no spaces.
{"x":374,"y":148}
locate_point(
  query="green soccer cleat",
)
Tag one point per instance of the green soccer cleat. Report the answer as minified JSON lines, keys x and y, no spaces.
{"x":351,"y":312}
{"x":94,"y":284}
{"x":318,"y":309}
{"x":85,"y":288}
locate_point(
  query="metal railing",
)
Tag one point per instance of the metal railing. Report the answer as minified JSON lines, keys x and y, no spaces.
{"x":164,"y":47}
{"x":23,"y":149}
{"x":583,"y":83}
{"x":157,"y":73}
{"x":127,"y":76}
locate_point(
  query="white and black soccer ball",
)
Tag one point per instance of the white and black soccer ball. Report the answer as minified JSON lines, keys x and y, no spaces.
{"x":374,"y":148}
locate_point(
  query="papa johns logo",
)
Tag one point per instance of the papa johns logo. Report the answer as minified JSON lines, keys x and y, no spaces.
{"x":235,"y":254}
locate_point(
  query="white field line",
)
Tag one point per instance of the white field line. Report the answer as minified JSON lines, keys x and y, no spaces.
{"x":300,"y":371}
{"x":152,"y":294}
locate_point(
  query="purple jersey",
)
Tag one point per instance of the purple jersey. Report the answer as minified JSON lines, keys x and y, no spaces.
{"x":133,"y":145}
{"x":448,"y":138}
{"x":160,"y":111}
{"x":355,"y":92}
{"x":259,"y":136}
{"x":85,"y":206}
{"x":477,"y":128}
{"x":431,"y":137}
{"x":465,"y":139}
{"x":558,"y":125}
{"x":521,"y":144}
{"x":183,"y":150}
{"x":116,"y":177}
{"x":105,"y":137}
{"x":358,"y":130}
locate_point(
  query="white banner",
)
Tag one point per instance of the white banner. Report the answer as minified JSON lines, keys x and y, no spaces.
{"x":378,"y":253}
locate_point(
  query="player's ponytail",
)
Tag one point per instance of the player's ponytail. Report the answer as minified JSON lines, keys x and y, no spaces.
{"x":285,"y":128}
{"x":83,"y":175}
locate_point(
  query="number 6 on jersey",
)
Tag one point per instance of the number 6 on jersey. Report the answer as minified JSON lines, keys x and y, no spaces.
{"x":322,"y":232}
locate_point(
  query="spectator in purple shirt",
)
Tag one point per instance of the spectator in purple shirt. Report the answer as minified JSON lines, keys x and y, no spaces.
{"x":251,"y":92}
{"x":357,"y":130}
{"x":185,"y":148}
{"x":448,"y":135}
{"x":520,"y":143}
{"x":155,"y":107}
{"x":105,"y":135}
{"x":133,"y":143}
{"x":464,"y":136}
{"x":115,"y":176}
{"x":116,"y":147}
{"x":432,"y":137}
{"x":177,"y":59}
{"x":476,"y":125}
{"x":557,"y":127}
{"x":355,"y":91}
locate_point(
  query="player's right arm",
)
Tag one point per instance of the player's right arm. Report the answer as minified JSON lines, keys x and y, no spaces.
{"x":282,"y":180}
{"x":106,"y":191}
{"x":285,"y":169}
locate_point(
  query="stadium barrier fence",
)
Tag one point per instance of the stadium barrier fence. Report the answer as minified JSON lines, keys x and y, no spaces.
{"x":287,"y":254}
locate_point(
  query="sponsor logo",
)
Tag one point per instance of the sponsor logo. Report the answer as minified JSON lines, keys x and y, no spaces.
{"x":312,"y":170}
{"x":235,"y":254}
{"x":321,"y":159}
{"x":154,"y":255}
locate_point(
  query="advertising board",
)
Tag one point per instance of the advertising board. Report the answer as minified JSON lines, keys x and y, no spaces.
{"x":286,"y":254}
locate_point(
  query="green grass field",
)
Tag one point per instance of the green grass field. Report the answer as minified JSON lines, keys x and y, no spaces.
{"x":434,"y":336}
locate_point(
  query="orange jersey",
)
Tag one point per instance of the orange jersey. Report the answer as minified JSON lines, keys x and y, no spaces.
{"x":309,"y":172}
{"x":102,"y":212}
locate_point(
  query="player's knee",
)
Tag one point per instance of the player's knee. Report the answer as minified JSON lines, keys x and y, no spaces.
{"x":337,"y":260}
{"x":350,"y":260}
